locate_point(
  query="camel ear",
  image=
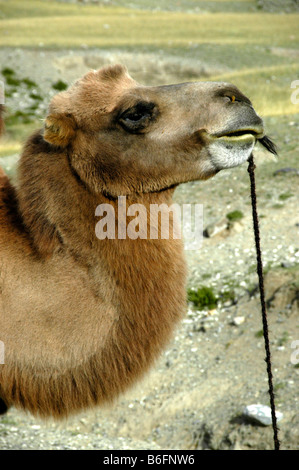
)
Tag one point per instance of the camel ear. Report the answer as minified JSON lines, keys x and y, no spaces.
{"x":59,"y":129}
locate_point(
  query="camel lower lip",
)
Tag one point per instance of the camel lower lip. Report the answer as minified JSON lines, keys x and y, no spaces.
{"x":242,"y":135}
{"x":238,"y":139}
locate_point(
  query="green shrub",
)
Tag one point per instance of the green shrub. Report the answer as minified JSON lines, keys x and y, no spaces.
{"x":259,"y":334}
{"x":285,"y":196}
{"x":60,"y":85}
{"x":234,"y":215}
{"x":228,"y":295}
{"x":19,"y":117}
{"x":36,"y":96}
{"x":29,"y":83}
{"x":11,"y":81}
{"x":202,"y":297}
{"x":7,"y":72}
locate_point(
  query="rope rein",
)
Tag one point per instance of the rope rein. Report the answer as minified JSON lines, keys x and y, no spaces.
{"x":251,"y":168}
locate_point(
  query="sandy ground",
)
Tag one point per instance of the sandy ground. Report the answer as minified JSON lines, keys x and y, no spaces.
{"x":195,"y":395}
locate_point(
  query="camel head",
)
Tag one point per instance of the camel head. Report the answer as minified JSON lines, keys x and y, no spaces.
{"x":126,"y":138}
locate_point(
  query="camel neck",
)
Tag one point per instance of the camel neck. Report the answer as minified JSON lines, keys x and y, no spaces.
{"x":61,"y":213}
{"x":98,"y":310}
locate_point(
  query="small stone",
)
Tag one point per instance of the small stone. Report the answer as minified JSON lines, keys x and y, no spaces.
{"x":286,"y":265}
{"x":238,"y":321}
{"x":261,"y":414}
{"x":238,"y":227}
{"x":212,"y":312}
{"x":216,"y":228}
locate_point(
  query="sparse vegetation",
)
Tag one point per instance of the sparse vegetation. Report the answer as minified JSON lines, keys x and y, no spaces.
{"x":234,"y":216}
{"x":60,"y":85}
{"x":285,"y":196}
{"x":283,"y":339}
{"x":227,"y":296}
{"x":259,"y":334}
{"x":29,"y":83}
{"x":203,"y":297}
{"x":7,"y":72}
{"x":19,"y":117}
{"x":27,"y":87}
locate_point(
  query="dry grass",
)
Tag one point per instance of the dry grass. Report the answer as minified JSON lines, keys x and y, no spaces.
{"x":269,"y":88}
{"x":240,"y":41}
{"x":109,"y":27}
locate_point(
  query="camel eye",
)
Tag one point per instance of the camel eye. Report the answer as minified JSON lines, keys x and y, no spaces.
{"x":136,"y":119}
{"x":135,"y":116}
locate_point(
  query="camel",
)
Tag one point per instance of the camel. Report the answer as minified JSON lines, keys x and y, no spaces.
{"x":83,"y":318}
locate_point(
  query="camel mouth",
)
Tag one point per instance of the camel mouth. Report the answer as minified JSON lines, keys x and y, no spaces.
{"x":248,"y":136}
{"x":244,"y":138}
{"x":233,"y":147}
{"x":241,"y":136}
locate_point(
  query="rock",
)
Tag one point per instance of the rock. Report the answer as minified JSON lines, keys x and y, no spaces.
{"x":237,"y":227}
{"x":261,"y":414}
{"x":286,"y":170}
{"x":238,"y":321}
{"x":286,"y":264}
{"x":282,"y":289}
{"x":216,"y":228}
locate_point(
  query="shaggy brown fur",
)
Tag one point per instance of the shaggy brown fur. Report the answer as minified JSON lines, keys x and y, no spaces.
{"x":83,"y":318}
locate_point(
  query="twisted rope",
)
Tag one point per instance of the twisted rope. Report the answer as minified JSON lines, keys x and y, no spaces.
{"x":251,"y":168}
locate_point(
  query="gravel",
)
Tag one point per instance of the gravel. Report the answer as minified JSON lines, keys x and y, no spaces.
{"x":214,"y":367}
